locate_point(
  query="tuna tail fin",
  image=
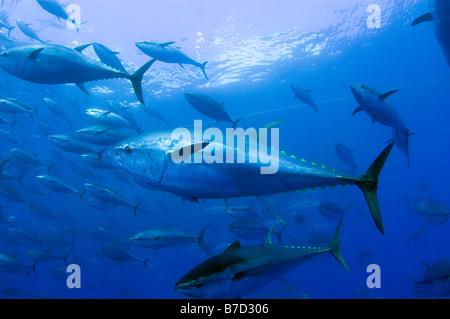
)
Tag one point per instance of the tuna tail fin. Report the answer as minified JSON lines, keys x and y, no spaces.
{"x":100,"y":154}
{"x":135,"y":208}
{"x":136,"y":80}
{"x":145,"y":261}
{"x":9,"y":30}
{"x":368,"y":183}
{"x":81,"y":194}
{"x":201,"y":242}
{"x":334,"y":246}
{"x":32,"y":268}
{"x":236,"y":122}
{"x":65,"y":258}
{"x":2,"y":164}
{"x":49,"y":167}
{"x":280,"y":233}
{"x":202,"y":67}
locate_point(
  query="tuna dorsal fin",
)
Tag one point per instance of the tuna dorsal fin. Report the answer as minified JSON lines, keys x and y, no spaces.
{"x":268,"y":240}
{"x":33,"y":55}
{"x":427,"y":17}
{"x":387,"y":94}
{"x":167,"y":43}
{"x":358,"y":109}
{"x":234,"y":245}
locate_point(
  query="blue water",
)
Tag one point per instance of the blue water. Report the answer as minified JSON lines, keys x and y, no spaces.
{"x":255,"y":51}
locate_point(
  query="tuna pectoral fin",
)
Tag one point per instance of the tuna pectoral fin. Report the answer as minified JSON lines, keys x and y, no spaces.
{"x":185,"y":153}
{"x":358,"y":109}
{"x":334,"y":246}
{"x":136,"y":80}
{"x":424,"y":18}
{"x":368,"y":183}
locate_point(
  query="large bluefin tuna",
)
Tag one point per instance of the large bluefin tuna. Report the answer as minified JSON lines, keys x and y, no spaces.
{"x":239,"y":270}
{"x":149,"y":159}
{"x":57,"y":64}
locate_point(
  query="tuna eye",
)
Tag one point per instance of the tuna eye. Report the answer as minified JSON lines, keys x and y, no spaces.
{"x":198,"y":284}
{"x":128,"y":149}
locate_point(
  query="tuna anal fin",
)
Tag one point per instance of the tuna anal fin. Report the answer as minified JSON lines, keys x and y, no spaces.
{"x":83,"y":88}
{"x":427,"y":17}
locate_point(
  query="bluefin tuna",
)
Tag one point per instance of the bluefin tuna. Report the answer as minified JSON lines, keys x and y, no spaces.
{"x":54,"y":7}
{"x":57,"y":64}
{"x":71,"y":144}
{"x":109,"y":196}
{"x":304,"y":96}
{"x":163,"y":238}
{"x":209,"y":107}
{"x":120,"y":254}
{"x":107,"y":56}
{"x":239,"y":270}
{"x":439,"y":16}
{"x":109,"y":118}
{"x":166,"y":53}
{"x":14,"y":106}
{"x":377,"y":106}
{"x":28,"y":31}
{"x":346,"y":155}
{"x":436,"y":280}
{"x":11,"y":265}
{"x":101,"y":135}
{"x":59,"y":185}
{"x":148,"y":157}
